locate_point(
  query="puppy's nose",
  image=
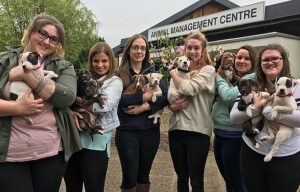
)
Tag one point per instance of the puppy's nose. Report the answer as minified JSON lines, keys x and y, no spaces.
{"x":281,"y":91}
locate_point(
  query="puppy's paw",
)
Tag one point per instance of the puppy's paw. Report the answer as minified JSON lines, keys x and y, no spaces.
{"x":265,"y":138}
{"x":256,"y":131}
{"x":268,"y":158}
{"x":249,"y":112}
{"x":265,"y":94}
{"x":274,"y":114}
{"x":257,"y":145}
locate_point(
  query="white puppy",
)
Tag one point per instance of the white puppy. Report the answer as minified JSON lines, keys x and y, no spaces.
{"x":29,"y":61}
{"x":283,"y":103}
{"x":182,"y":70}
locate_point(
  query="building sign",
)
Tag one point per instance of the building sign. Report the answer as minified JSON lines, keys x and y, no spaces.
{"x":233,"y":17}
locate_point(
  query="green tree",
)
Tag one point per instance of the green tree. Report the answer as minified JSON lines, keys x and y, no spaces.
{"x":80,"y":26}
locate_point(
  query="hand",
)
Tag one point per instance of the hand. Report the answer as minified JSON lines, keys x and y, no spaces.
{"x":148,"y":93}
{"x":179,"y":104}
{"x":27,"y":106}
{"x":256,"y":100}
{"x":137,"y":109}
{"x":16,"y":73}
{"x":77,"y":116}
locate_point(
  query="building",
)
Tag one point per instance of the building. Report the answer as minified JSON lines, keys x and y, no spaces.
{"x":228,"y":25}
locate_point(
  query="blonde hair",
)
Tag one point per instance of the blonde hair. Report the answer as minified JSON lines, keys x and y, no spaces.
{"x":205,"y":57}
{"x":37,"y":23}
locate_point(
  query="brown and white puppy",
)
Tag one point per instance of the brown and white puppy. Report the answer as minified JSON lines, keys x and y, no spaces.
{"x":224,"y":66}
{"x":183,"y":64}
{"x":140,"y":82}
{"x":283,"y":103}
{"x":29,"y":61}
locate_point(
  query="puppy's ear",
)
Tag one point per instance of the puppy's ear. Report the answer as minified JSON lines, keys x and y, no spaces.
{"x":252,"y":82}
{"x":148,"y":76}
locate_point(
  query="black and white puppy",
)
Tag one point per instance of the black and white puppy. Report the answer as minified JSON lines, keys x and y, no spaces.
{"x":29,"y":61}
{"x":283,"y":103}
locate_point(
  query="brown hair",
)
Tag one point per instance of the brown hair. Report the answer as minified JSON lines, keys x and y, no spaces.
{"x":261,"y":79}
{"x":102,"y":47}
{"x":252,"y":53}
{"x":205,"y":57}
{"x":125,"y":61}
{"x":38,"y":23}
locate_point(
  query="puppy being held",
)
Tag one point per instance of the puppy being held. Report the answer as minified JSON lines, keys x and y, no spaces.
{"x":283,"y":103}
{"x":29,"y":61}
{"x":255,"y":124}
{"x":182,"y":69}
{"x":154,"y":79}
{"x":224,"y":66}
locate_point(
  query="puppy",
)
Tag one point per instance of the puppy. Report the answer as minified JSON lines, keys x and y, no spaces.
{"x":139,"y":83}
{"x":283,"y":103}
{"x":255,"y":124}
{"x":154,"y":79}
{"x":88,"y":90}
{"x":29,"y":61}
{"x":183,"y":71}
{"x":224,"y":66}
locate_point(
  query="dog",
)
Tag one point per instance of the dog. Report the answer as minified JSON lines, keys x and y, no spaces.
{"x":138,"y":85}
{"x":88,"y":90}
{"x":183,"y":65}
{"x":29,"y":61}
{"x":284,"y":103}
{"x":154,"y":79}
{"x":224,"y":66}
{"x":255,"y":124}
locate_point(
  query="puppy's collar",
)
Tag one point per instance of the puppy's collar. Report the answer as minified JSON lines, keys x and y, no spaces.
{"x":288,"y":95}
{"x":182,"y":70}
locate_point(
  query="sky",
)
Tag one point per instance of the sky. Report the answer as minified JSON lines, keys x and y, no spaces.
{"x":122,"y":19}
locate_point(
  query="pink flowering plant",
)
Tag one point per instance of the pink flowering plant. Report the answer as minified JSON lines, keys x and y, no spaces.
{"x":164,"y":52}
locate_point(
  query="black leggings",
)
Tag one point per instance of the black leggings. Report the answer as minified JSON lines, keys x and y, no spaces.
{"x":88,"y":167}
{"x":33,"y":176}
{"x":278,"y":175}
{"x":137,"y":149}
{"x":189,"y":152}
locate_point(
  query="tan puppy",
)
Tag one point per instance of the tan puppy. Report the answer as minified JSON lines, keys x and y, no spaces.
{"x":224,"y":63}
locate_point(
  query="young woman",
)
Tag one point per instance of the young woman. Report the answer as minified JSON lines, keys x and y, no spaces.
{"x":282,"y":173}
{"x":137,"y":137}
{"x":89,"y":165}
{"x":228,"y":136}
{"x":190,"y":125}
{"x":33,"y":156}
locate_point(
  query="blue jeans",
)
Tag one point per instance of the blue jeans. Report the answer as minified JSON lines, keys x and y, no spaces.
{"x":278,"y":175}
{"x":227,"y":155}
{"x":136,"y":149}
{"x":189,"y":152}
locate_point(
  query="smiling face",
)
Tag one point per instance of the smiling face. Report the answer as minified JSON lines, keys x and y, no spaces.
{"x":137,"y":51}
{"x":194,"y":49}
{"x":38,"y":42}
{"x":243,"y":62}
{"x":101,"y":64}
{"x":271,"y":63}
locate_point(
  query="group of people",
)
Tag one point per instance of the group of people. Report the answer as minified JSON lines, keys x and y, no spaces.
{"x":35,"y":157}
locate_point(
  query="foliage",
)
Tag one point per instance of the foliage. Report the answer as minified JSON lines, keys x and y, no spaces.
{"x":164,"y":52}
{"x":79,"y":24}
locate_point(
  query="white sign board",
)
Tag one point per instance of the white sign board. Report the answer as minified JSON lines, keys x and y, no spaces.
{"x":232,"y":17}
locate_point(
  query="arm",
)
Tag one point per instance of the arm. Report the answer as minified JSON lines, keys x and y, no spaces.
{"x":113,"y":92}
{"x":204,"y":80}
{"x":24,"y":106}
{"x":227,"y":93}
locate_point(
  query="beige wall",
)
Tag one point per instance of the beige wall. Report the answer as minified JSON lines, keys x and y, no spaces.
{"x":291,"y":43}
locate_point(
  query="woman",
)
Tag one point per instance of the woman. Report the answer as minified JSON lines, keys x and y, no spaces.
{"x":33,"y":156}
{"x":137,"y":137}
{"x":89,"y":165}
{"x":190,"y":125}
{"x":282,"y":173}
{"x":228,"y":136}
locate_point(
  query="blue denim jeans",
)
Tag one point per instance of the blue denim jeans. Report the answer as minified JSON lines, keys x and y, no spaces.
{"x":278,"y":175}
{"x":227,"y":155}
{"x":189,"y":152}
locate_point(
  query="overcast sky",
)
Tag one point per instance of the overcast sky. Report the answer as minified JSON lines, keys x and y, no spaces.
{"x":120,"y":19}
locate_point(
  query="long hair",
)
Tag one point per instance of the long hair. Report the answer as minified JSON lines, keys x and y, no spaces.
{"x":37,"y":23}
{"x":102,"y":47}
{"x":262,"y":82}
{"x":125,"y":61}
{"x":205,"y":57}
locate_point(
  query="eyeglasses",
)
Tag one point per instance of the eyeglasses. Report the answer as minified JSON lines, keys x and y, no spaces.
{"x":52,"y":39}
{"x":271,"y":59}
{"x":137,"y":48}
